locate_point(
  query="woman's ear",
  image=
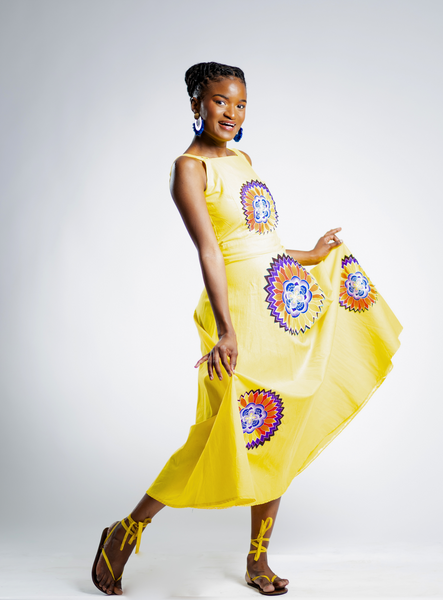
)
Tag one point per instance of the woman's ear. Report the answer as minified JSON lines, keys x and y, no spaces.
{"x":195,"y":105}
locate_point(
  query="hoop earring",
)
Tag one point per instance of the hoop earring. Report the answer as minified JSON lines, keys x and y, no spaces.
{"x":199,"y":125}
{"x":238,"y":136}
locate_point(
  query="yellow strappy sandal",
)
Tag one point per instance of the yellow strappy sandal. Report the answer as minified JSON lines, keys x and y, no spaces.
{"x":258,"y":543}
{"x":133,"y":531}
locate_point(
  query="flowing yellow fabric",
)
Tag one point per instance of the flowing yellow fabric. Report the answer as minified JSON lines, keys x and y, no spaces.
{"x":313,"y":347}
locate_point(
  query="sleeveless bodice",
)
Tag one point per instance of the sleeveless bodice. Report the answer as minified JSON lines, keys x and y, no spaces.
{"x":241,"y":208}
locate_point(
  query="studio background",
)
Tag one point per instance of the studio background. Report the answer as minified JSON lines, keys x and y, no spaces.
{"x":99,"y":278}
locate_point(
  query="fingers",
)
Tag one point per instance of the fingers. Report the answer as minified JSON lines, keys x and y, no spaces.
{"x":228,"y":360}
{"x":332,"y":231}
{"x":215,"y":354}
{"x":218,"y":365}
{"x":233,"y":359}
{"x":211,"y":365}
{"x":334,"y":238}
{"x":214,"y":363}
{"x":201,"y":361}
{"x":221,"y":354}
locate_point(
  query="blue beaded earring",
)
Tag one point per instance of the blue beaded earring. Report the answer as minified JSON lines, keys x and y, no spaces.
{"x":238,"y":136}
{"x":199,"y":125}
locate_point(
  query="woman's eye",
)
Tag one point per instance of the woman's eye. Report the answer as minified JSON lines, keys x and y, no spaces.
{"x":240,"y":106}
{"x":220,"y":102}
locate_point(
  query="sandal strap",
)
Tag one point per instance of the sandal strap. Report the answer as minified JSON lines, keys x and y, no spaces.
{"x":258,"y":541}
{"x":134,"y":531}
{"x":109,"y":566}
{"x":258,"y":577}
{"x":274,"y":577}
{"x":109,"y":534}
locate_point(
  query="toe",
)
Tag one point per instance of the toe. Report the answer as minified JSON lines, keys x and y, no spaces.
{"x":107,"y":585}
{"x":118,"y":588}
{"x":265,"y":584}
{"x":281,"y":583}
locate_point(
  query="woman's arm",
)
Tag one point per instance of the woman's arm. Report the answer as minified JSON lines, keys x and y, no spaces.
{"x":188,"y":182}
{"x":321,"y":250}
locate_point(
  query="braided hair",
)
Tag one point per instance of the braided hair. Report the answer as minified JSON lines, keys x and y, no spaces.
{"x":199,"y":76}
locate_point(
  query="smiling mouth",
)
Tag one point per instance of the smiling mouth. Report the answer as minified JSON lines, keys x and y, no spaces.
{"x":226,"y":124}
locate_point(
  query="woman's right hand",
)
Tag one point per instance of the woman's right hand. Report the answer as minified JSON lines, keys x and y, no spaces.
{"x":224,"y":351}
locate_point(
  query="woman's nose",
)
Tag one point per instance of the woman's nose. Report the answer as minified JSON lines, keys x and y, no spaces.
{"x":229,"y":112}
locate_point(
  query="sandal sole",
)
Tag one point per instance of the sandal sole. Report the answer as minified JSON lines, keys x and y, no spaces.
{"x":276,"y":592}
{"x":94,"y":566}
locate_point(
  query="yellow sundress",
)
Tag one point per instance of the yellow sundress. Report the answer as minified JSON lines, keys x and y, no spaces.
{"x":313,"y":346}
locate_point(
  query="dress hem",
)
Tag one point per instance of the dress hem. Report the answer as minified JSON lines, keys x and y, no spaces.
{"x":237,"y":501}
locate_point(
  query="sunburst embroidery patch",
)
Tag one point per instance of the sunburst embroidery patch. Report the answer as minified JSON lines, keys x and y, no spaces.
{"x":357,"y":293}
{"x":261,"y":414}
{"x":294,"y":297}
{"x":259,"y":207}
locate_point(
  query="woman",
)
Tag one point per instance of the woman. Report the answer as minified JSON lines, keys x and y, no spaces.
{"x":292,"y":355}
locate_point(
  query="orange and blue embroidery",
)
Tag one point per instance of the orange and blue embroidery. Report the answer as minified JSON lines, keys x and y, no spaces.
{"x":259,"y":207}
{"x":294,"y":297}
{"x":261,"y":413}
{"x":357,"y":293}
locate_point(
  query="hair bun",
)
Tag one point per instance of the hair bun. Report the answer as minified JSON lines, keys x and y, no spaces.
{"x":199,"y":75}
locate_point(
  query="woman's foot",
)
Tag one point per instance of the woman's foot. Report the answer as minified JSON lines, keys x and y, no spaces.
{"x":260,"y":567}
{"x":118,"y":558}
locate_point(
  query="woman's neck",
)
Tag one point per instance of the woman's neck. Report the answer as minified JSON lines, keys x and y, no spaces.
{"x":209,"y":148}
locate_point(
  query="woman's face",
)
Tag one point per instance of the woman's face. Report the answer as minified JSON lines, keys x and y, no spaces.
{"x":223,"y":108}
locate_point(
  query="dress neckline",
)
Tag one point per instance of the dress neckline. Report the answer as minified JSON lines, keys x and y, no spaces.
{"x":213,"y":157}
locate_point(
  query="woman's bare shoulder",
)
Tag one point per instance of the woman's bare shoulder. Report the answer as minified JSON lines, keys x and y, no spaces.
{"x":188,"y":164}
{"x":189,"y":171}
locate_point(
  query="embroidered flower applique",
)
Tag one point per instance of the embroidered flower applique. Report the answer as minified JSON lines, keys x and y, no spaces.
{"x":357,"y":293}
{"x":294,"y":297}
{"x":259,"y":207}
{"x":261,"y":413}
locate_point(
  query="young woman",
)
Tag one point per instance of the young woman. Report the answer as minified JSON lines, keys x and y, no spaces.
{"x":292,"y":354}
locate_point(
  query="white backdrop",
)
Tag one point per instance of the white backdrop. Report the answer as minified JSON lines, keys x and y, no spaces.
{"x":99,"y":279}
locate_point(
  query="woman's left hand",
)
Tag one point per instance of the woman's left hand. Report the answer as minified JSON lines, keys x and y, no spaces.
{"x":326,"y":243}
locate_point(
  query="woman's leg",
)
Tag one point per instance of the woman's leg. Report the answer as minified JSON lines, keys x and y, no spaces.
{"x":147,"y":507}
{"x":259,"y":514}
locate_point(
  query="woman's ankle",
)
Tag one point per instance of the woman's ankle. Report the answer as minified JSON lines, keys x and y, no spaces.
{"x":147,"y":508}
{"x":257,"y":565}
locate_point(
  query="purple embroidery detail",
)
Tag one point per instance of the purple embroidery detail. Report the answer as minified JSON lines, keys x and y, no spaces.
{"x":261,"y":413}
{"x":294,"y":297}
{"x":259,"y":207}
{"x":357,"y":293}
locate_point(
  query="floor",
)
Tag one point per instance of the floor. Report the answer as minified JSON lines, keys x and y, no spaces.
{"x":378,"y":573}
